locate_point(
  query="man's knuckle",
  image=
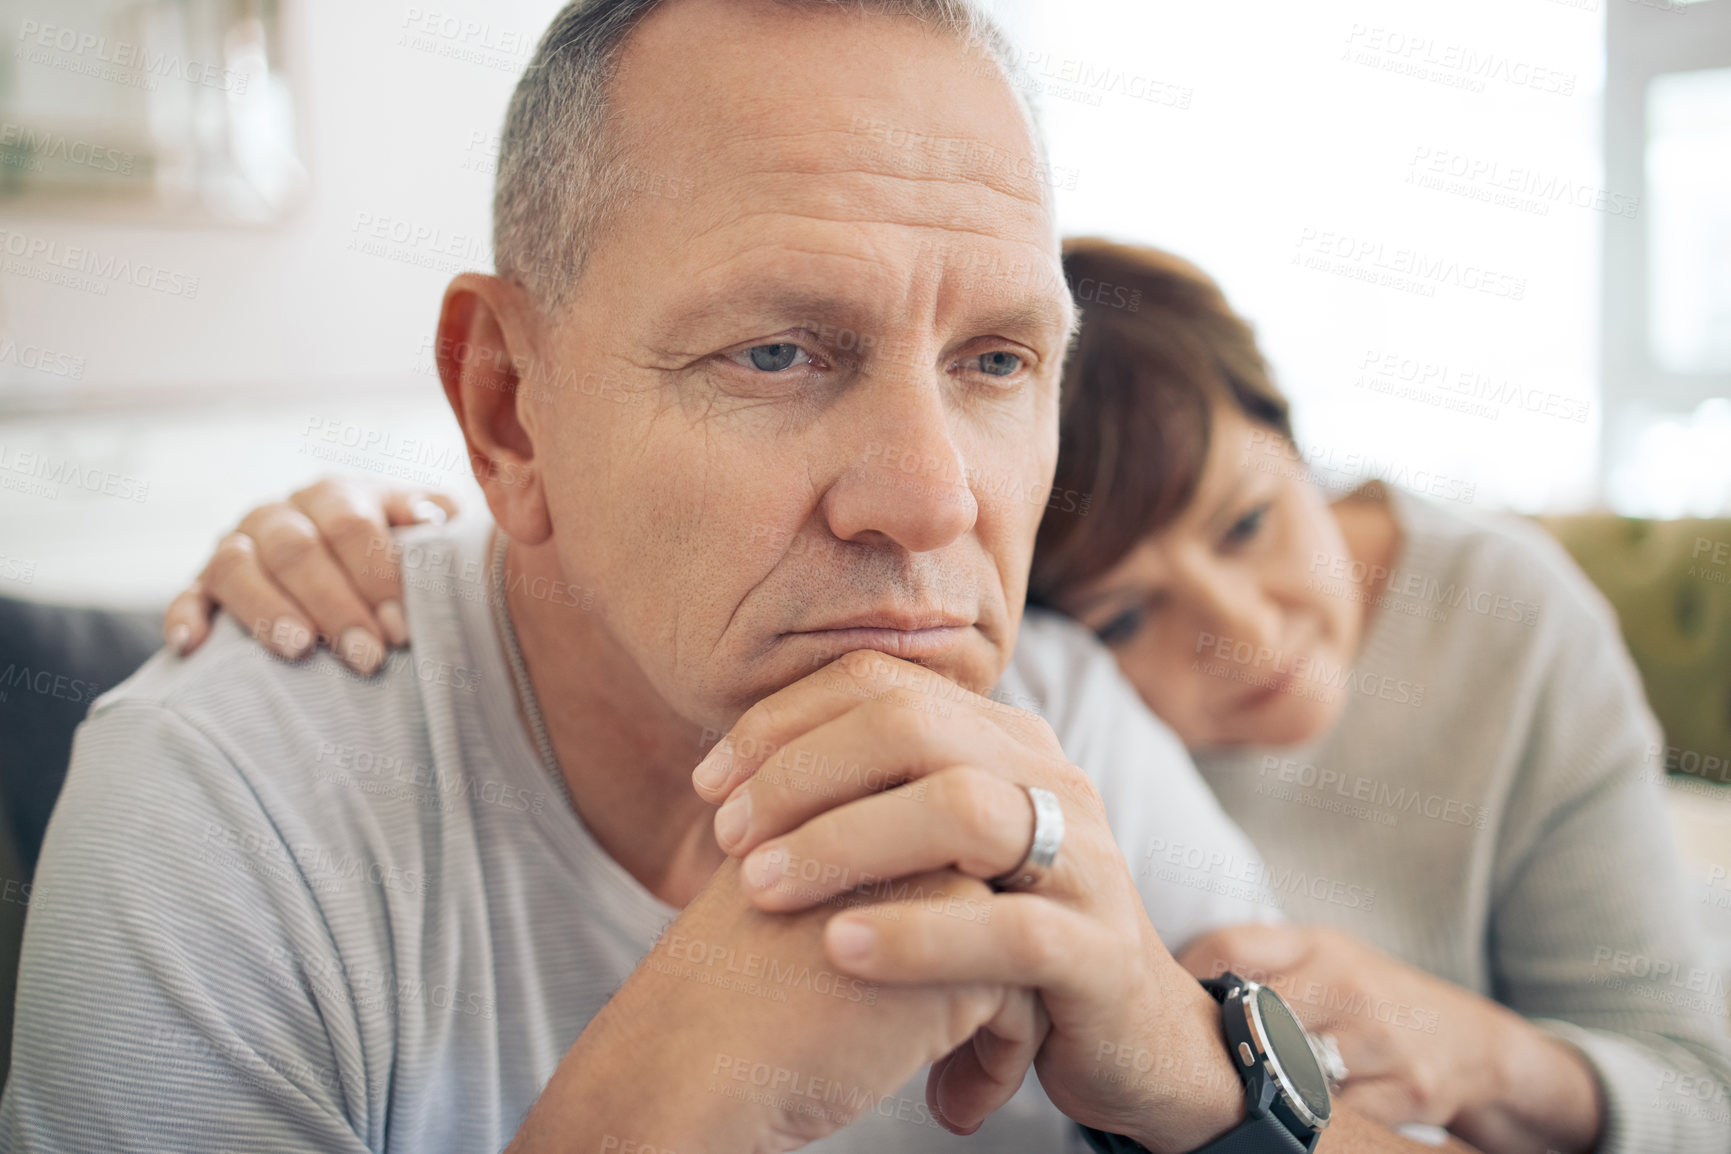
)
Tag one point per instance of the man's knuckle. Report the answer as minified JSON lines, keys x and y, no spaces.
{"x":905,"y":712}
{"x":290,"y":546}
{"x":1038,"y":732}
{"x":866,"y":668}
{"x":233,"y":552}
{"x":1038,"y":947}
{"x":969,"y":1006}
{"x":351,"y":529}
{"x":760,"y":720}
{"x":886,"y":718}
{"x":877,"y":663}
{"x":258,"y":522}
{"x":978,"y":810}
{"x":1073,"y":781}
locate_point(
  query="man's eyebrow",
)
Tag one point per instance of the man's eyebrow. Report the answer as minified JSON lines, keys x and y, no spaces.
{"x":1034,"y":314}
{"x":801,"y":305}
{"x":789,"y":304}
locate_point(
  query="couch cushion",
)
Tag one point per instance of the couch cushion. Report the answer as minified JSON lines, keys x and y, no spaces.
{"x":1670,"y":583}
{"x":54,"y":661}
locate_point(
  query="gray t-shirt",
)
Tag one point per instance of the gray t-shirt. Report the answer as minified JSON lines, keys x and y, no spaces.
{"x":282,"y":907}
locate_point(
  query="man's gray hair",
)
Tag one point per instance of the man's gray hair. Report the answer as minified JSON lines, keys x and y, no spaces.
{"x":562,"y":172}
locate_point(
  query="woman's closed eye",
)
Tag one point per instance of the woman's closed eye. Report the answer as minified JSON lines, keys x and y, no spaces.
{"x":1122,"y":627}
{"x":1247,"y":526}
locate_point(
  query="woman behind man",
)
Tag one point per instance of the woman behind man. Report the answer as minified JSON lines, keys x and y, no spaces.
{"x":1427,"y":715}
{"x":1425,"y":720}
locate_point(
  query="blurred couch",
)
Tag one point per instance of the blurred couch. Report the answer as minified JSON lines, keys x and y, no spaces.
{"x":1670,"y":594}
{"x":53,"y":662}
{"x":1674,"y":601}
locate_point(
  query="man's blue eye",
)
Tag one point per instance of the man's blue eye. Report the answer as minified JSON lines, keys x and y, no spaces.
{"x":773,"y":358}
{"x":999,"y":364}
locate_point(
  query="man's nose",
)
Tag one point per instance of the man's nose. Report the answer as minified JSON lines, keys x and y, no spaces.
{"x":906,"y":478}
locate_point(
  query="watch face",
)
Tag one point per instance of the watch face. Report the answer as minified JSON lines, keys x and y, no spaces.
{"x":1290,"y":1046}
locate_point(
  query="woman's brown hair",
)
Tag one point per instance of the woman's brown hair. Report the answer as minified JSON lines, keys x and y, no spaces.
{"x":1159,"y":349}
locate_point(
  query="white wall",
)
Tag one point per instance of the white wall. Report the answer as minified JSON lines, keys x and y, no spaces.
{"x":1297,"y":141}
{"x":387,"y":128}
{"x":292,"y":333}
{"x":1223,"y":131}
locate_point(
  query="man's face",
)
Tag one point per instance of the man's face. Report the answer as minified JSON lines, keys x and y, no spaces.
{"x":810,"y":400}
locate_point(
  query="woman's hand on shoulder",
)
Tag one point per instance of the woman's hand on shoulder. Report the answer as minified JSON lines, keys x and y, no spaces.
{"x":318,"y":567}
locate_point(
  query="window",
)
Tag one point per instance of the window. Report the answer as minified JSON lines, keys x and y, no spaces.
{"x":1667,"y":287}
{"x":148,"y":110}
{"x":1406,"y":201}
{"x":1689,"y":221}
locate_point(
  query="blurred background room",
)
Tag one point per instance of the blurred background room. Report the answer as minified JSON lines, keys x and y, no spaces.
{"x":1485,"y":243}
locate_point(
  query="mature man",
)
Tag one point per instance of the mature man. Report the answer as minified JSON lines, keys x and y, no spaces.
{"x":477,"y":896}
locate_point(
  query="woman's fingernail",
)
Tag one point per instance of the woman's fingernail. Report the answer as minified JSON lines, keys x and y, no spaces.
{"x":395,"y":624}
{"x":851,"y":940}
{"x":361,"y":650}
{"x":764,"y":867}
{"x":178,"y":637}
{"x":733,"y":820}
{"x":429,"y":511}
{"x":290,"y":638}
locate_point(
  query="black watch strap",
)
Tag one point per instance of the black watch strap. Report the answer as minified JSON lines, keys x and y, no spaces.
{"x":1264,"y":1135}
{"x":1219,"y":987}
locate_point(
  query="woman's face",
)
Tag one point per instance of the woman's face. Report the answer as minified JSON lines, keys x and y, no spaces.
{"x":1221,"y":619}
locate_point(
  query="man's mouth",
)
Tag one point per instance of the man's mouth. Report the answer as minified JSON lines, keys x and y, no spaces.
{"x":910,"y":636}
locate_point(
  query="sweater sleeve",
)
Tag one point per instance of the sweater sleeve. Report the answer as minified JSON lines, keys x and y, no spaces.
{"x":165,"y":996}
{"x":1592,"y":933}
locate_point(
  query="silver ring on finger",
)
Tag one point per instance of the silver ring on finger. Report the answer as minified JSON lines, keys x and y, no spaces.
{"x":1042,"y":852}
{"x":1327,"y":1051}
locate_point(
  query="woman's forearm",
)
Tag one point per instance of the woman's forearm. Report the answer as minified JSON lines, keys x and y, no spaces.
{"x":1548,"y":1095}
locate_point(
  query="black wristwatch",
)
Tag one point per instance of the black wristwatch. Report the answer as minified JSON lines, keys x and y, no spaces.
{"x":1285,"y":1090}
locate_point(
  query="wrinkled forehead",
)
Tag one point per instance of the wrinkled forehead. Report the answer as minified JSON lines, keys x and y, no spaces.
{"x":834,"y":148}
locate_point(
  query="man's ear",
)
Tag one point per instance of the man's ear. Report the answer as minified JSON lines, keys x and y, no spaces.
{"x":486,"y":348}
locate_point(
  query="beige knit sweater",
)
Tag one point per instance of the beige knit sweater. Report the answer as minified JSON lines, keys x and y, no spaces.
{"x":1492,"y":797}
